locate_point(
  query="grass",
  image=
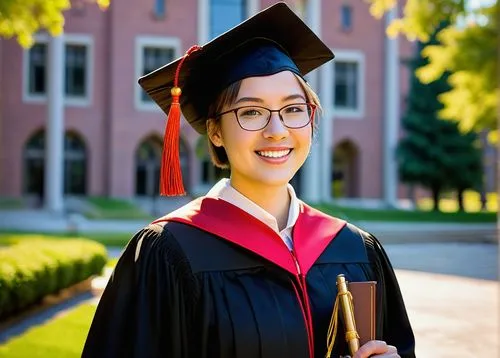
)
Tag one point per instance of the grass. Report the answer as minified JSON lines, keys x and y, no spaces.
{"x":62,"y":337}
{"x":448,"y":211}
{"x":472,"y":203}
{"x":117,"y":209}
{"x":356,"y":214}
{"x":11,"y":203}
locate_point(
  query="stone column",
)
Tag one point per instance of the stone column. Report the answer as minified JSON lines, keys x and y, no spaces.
{"x":311,"y":181}
{"x":326,"y":131}
{"x":391,"y":114}
{"x":54,"y":141}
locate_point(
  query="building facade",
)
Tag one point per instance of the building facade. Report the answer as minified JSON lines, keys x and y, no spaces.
{"x":113,"y":131}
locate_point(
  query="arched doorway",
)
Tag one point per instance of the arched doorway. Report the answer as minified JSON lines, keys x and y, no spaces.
{"x":148,"y":164}
{"x":209,"y":172}
{"x":34,"y":164}
{"x":345,"y":170}
{"x":75,"y":164}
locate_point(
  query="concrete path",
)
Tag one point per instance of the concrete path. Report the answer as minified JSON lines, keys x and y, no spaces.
{"x":452,"y":317}
{"x":451,"y":292}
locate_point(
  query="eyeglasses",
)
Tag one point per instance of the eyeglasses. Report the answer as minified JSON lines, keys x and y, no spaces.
{"x":255,"y":118}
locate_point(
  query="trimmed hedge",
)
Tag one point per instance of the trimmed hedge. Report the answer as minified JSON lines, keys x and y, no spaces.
{"x":32,"y":269}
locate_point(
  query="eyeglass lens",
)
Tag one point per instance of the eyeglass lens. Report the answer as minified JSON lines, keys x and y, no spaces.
{"x":293,"y":116}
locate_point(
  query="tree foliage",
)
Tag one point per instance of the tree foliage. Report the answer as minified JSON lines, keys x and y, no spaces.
{"x":23,"y":18}
{"x":468,"y":49}
{"x":434,"y":153}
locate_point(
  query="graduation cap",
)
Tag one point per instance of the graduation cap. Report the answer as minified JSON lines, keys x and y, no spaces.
{"x":271,"y":41}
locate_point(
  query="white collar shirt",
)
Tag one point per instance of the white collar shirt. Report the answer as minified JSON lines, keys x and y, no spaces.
{"x":223,"y":190}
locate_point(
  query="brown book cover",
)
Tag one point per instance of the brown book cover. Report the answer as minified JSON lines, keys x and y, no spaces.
{"x":364,"y":301}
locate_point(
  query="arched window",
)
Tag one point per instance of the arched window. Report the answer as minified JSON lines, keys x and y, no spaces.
{"x":345,"y":170}
{"x":34,"y":157}
{"x":75,"y":164}
{"x":148,"y":163}
{"x":147,"y":167}
{"x":209,"y":172}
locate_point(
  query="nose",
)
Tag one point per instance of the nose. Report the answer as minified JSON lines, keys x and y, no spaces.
{"x":275,"y":129}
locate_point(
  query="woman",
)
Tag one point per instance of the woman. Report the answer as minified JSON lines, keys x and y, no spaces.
{"x":247,"y":270}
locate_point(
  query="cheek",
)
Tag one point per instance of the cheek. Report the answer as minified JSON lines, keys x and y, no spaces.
{"x":233,"y":137}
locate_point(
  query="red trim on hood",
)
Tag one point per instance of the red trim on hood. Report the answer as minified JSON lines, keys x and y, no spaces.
{"x":312,"y":233}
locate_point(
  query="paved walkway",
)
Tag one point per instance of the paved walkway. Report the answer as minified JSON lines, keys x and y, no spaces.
{"x":451,"y":293}
{"x":452,"y":317}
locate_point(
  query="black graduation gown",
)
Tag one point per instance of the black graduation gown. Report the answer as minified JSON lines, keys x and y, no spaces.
{"x":210,"y":280}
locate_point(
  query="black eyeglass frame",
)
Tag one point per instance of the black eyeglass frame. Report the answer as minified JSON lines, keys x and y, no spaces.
{"x":235,"y":111}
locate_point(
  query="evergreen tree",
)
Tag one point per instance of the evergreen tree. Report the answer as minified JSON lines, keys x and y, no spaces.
{"x":434,"y":153}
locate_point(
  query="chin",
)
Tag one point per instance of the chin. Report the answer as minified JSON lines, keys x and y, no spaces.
{"x":275,"y":180}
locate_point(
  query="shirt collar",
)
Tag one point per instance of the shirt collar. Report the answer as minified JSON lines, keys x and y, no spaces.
{"x":223,"y":190}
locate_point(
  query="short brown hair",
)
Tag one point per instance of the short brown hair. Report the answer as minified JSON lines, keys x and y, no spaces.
{"x":228,"y":97}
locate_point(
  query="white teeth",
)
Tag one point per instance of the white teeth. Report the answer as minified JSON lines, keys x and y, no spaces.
{"x":274,"y":154}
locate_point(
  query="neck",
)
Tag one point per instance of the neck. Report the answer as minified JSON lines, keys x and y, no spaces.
{"x":273,"y":199}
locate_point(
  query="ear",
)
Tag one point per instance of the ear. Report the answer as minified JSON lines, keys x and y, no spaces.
{"x":214,"y":133}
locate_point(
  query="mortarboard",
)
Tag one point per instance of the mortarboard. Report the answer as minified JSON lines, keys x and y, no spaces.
{"x":271,"y":41}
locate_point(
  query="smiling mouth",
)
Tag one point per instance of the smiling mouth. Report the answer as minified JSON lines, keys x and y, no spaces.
{"x":274,"y":153}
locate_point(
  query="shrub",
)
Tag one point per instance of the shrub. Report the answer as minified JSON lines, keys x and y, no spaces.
{"x":32,"y":269}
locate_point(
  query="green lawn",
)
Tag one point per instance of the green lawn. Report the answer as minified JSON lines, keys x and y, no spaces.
{"x":356,"y":214}
{"x":11,"y":203}
{"x":62,"y":337}
{"x":109,"y":208}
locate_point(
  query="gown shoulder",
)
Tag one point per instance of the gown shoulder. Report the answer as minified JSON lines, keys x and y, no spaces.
{"x":145,"y":308}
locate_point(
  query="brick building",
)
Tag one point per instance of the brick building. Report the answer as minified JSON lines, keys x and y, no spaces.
{"x":113,"y":132}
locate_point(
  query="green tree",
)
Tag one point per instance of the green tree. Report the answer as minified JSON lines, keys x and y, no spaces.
{"x":434,"y":153}
{"x":466,"y":164}
{"x":468,"y":49}
{"x":23,"y":18}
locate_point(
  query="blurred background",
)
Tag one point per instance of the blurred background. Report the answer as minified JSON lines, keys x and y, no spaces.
{"x":407,"y":148}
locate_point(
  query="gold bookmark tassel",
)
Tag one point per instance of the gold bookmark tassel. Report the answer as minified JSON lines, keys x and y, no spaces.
{"x":332,"y":329}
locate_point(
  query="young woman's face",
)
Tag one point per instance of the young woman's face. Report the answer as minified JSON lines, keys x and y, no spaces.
{"x":270,"y":156}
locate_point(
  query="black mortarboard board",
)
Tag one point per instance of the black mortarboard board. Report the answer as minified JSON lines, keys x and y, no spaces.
{"x":273,"y":40}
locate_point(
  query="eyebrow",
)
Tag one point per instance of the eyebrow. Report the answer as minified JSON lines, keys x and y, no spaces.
{"x":260,"y":100}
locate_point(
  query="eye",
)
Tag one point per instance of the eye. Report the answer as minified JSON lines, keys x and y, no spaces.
{"x":295,"y":108}
{"x":250,"y":112}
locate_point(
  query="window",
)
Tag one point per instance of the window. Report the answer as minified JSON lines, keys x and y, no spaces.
{"x":151,"y":53}
{"x":154,"y":58}
{"x":225,"y":14}
{"x":77,"y":70}
{"x":346,"y":17}
{"x":159,"y":8}
{"x":75,"y":164}
{"x":348,"y":83}
{"x":147,"y":167}
{"x":37,"y":69}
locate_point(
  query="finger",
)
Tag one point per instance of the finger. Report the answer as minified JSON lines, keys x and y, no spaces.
{"x":370,"y":348}
{"x":392,"y":352}
{"x":391,"y":349}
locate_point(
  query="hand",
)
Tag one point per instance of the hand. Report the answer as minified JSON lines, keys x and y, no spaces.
{"x":378,"y":349}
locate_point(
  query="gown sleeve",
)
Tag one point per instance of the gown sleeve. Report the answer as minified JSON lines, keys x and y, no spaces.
{"x":393,"y":325}
{"x":145,"y":308}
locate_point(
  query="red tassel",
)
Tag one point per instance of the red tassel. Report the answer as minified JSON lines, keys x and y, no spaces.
{"x":171,"y":173}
